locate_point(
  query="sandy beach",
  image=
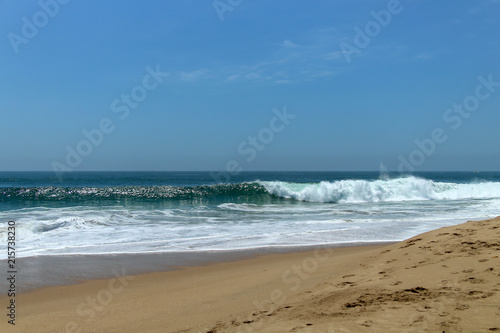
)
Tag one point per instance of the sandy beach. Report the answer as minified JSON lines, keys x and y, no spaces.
{"x":446,"y":280}
{"x":233,"y":166}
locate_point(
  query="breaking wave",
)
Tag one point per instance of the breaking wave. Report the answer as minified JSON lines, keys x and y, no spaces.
{"x":399,"y":189}
{"x":259,"y":192}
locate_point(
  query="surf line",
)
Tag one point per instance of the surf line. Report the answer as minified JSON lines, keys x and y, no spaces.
{"x":253,"y":144}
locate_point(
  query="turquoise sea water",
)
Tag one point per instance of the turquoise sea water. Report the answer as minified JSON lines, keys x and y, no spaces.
{"x":136,"y":212}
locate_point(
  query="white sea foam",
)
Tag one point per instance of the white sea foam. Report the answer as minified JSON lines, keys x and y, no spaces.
{"x":391,"y":190}
{"x":327,"y":213}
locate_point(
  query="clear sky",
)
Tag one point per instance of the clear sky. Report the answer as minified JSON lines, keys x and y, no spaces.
{"x":353,"y":84}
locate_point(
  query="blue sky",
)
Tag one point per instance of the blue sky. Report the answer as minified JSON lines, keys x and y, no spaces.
{"x":229,"y":67}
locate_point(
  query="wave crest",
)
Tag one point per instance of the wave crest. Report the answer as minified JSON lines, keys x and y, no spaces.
{"x":263,"y":192}
{"x":136,"y":192}
{"x":399,"y":189}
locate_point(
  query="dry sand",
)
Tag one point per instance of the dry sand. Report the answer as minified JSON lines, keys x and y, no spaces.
{"x":447,"y":280}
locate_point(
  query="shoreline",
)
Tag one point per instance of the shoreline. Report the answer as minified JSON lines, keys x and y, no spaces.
{"x":58,"y":270}
{"x":442,"y":280}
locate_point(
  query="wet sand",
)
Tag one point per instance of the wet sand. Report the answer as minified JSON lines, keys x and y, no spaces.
{"x":444,"y":280}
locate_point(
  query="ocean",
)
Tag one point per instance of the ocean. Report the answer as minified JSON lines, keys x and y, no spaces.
{"x":141,"y":212}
